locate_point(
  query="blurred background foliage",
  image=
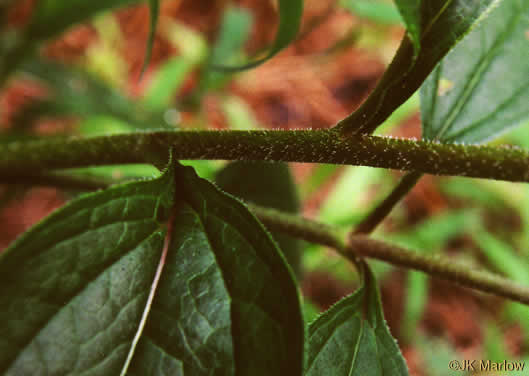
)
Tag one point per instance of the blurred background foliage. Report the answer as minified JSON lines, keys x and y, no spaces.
{"x":86,"y":81}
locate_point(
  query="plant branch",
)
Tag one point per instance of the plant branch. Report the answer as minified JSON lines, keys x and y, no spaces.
{"x":321,"y":146}
{"x":299,"y":227}
{"x":382,"y":210}
{"x":438,"y":266}
{"x":361,"y":245}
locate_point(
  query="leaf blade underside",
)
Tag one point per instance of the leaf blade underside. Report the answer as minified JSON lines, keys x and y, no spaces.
{"x":352,"y":337}
{"x":480,"y":89}
{"x":78,"y":276}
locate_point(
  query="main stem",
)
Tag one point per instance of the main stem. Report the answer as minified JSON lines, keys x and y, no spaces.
{"x":322,"y":146}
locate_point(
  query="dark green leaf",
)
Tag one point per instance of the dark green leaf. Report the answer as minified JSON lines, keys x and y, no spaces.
{"x":73,"y":288}
{"x":481,"y":88}
{"x":270,"y":185}
{"x":154,"y":9}
{"x":290,"y":12}
{"x":226,"y":301}
{"x":442,"y":24}
{"x":352,"y":337}
{"x":389,"y":355}
{"x":334,"y":337}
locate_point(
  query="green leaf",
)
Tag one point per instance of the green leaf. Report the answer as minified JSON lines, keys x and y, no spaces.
{"x":519,"y":314}
{"x":290,"y":12}
{"x":234,"y":31}
{"x":270,"y":185}
{"x":442,"y":24}
{"x":74,"y":287}
{"x":415,"y":303}
{"x":503,"y":257}
{"x":226,"y":301}
{"x":204,"y":168}
{"x":481,"y":88}
{"x":352,"y":337}
{"x":235,"y":28}
{"x":154,"y":9}
{"x":166,"y":82}
{"x":389,"y":355}
{"x":333,"y":338}
{"x":377,"y":11}
{"x":493,"y":343}
{"x":238,"y":113}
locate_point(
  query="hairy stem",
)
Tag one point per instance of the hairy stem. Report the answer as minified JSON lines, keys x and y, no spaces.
{"x":323,"y":146}
{"x":361,"y":245}
{"x":299,"y":227}
{"x":382,"y":210}
{"x":438,"y":266}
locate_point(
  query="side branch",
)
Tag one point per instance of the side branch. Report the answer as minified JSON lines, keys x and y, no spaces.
{"x":322,"y":146}
{"x":382,"y":210}
{"x":439,"y":266}
{"x":361,"y":245}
